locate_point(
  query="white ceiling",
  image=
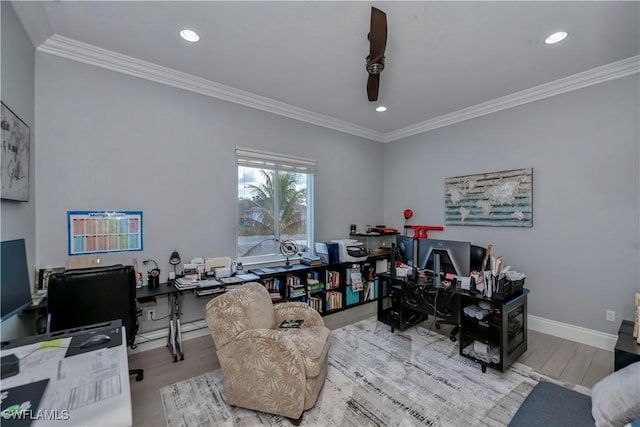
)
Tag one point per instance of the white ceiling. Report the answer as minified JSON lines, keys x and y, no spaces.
{"x":441,"y":57}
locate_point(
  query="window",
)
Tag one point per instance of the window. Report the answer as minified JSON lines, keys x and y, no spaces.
{"x":275,"y":206}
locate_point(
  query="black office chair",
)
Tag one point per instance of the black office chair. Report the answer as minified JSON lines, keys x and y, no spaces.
{"x":93,"y":295}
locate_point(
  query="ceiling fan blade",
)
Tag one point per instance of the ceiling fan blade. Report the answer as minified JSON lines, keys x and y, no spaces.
{"x":373,"y":84}
{"x":377,"y":36}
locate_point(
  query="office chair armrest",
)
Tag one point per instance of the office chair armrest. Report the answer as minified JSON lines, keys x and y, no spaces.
{"x":296,"y":310}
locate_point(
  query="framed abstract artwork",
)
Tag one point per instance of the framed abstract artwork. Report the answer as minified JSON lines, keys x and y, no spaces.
{"x":14,"y":156}
{"x":498,"y":199}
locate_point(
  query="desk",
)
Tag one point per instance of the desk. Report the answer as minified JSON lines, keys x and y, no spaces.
{"x":492,"y":332}
{"x":91,"y":388}
{"x":174,"y":338}
{"x":402,"y":304}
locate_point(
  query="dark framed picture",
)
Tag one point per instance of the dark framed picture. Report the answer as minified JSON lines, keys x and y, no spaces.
{"x":15,"y":156}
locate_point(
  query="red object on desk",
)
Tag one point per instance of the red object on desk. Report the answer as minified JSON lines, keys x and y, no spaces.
{"x":420,"y":231}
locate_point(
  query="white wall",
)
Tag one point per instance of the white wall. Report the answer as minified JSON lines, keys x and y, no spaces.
{"x":111,"y":141}
{"x":581,"y":256}
{"x":17,"y":92}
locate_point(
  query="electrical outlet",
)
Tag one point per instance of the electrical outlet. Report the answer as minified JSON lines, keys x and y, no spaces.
{"x":151,"y":314}
{"x":611,"y":315}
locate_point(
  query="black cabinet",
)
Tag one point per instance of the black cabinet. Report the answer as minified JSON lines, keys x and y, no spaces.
{"x":493,"y":333}
{"x":627,"y":349}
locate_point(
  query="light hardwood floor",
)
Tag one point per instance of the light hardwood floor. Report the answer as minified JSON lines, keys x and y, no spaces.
{"x":555,"y":357}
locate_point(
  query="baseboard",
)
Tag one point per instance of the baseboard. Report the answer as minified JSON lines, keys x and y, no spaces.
{"x":572,"y":333}
{"x":158,"y":338}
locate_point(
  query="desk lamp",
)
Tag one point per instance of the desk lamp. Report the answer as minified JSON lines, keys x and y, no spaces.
{"x":174,"y":260}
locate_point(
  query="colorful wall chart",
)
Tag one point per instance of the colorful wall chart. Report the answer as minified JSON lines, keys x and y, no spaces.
{"x":94,"y":232}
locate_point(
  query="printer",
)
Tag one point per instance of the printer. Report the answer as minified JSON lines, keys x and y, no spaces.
{"x":351,"y":250}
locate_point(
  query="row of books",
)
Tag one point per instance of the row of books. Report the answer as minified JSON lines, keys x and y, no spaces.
{"x":334,"y":300}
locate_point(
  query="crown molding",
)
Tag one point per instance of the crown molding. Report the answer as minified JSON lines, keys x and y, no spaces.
{"x":34,"y":20}
{"x":591,"y":77}
{"x":82,"y":52}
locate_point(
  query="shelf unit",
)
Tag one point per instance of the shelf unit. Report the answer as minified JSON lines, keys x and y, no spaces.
{"x":493,"y":333}
{"x":384,"y":240}
{"x":327,"y":288}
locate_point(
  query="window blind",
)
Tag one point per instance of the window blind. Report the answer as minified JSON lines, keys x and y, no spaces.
{"x":262,"y":159}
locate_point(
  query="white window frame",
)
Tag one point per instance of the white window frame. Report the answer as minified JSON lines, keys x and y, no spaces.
{"x":248,"y":157}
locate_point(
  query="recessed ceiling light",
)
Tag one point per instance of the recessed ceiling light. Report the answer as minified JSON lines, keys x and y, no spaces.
{"x":556,"y":37}
{"x":381,"y":108}
{"x":189,"y":35}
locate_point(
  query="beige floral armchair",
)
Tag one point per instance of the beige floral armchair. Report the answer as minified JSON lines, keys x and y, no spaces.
{"x":267,"y":368}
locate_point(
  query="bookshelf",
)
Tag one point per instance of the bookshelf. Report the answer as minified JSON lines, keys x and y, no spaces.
{"x":327,"y":288}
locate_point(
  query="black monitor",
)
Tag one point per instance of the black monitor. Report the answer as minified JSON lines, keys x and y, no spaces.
{"x":454,"y":256}
{"x":15,"y":286}
{"x":477,"y":258}
{"x":405,"y":249}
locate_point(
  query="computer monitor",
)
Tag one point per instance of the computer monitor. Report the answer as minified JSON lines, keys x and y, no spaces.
{"x":454,"y":256}
{"x":15,"y":286}
{"x":405,"y":249}
{"x":477,"y":258}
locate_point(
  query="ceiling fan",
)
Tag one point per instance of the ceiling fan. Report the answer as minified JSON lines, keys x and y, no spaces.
{"x":377,"y":43}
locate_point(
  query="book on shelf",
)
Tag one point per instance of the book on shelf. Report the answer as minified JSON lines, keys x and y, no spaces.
{"x":356,"y":282}
{"x":333,"y":279}
{"x":310,"y":260}
{"x":275,"y":296}
{"x":294,"y":282}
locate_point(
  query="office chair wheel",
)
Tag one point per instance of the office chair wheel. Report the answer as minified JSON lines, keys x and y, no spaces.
{"x":453,"y":338}
{"x":437,"y":325}
{"x":484,"y":369}
{"x":140,"y":377}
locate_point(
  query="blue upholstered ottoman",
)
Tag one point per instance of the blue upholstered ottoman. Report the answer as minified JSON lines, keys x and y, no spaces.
{"x":552,"y":405}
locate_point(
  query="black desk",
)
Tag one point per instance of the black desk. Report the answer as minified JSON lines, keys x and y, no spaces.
{"x":174,"y":339}
{"x":402,"y":304}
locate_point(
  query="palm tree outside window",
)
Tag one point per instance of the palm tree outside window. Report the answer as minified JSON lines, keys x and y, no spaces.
{"x":275,"y":204}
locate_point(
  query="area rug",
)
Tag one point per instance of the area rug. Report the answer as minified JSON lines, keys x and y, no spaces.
{"x":376,"y":378}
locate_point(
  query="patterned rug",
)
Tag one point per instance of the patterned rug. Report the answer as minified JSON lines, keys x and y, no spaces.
{"x":376,"y":378}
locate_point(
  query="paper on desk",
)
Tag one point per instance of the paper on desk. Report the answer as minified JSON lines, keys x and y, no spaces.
{"x":36,"y":361}
{"x":75,"y":388}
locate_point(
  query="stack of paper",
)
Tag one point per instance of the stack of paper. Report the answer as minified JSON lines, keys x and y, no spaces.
{"x":183,"y":283}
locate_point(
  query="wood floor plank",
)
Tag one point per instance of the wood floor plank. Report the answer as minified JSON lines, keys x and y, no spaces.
{"x":558,"y":361}
{"x":577,"y":367}
{"x":538,"y":357}
{"x":600,"y":367}
{"x":533,"y":340}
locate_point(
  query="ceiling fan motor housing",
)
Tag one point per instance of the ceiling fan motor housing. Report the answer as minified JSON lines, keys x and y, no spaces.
{"x":375,"y":68}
